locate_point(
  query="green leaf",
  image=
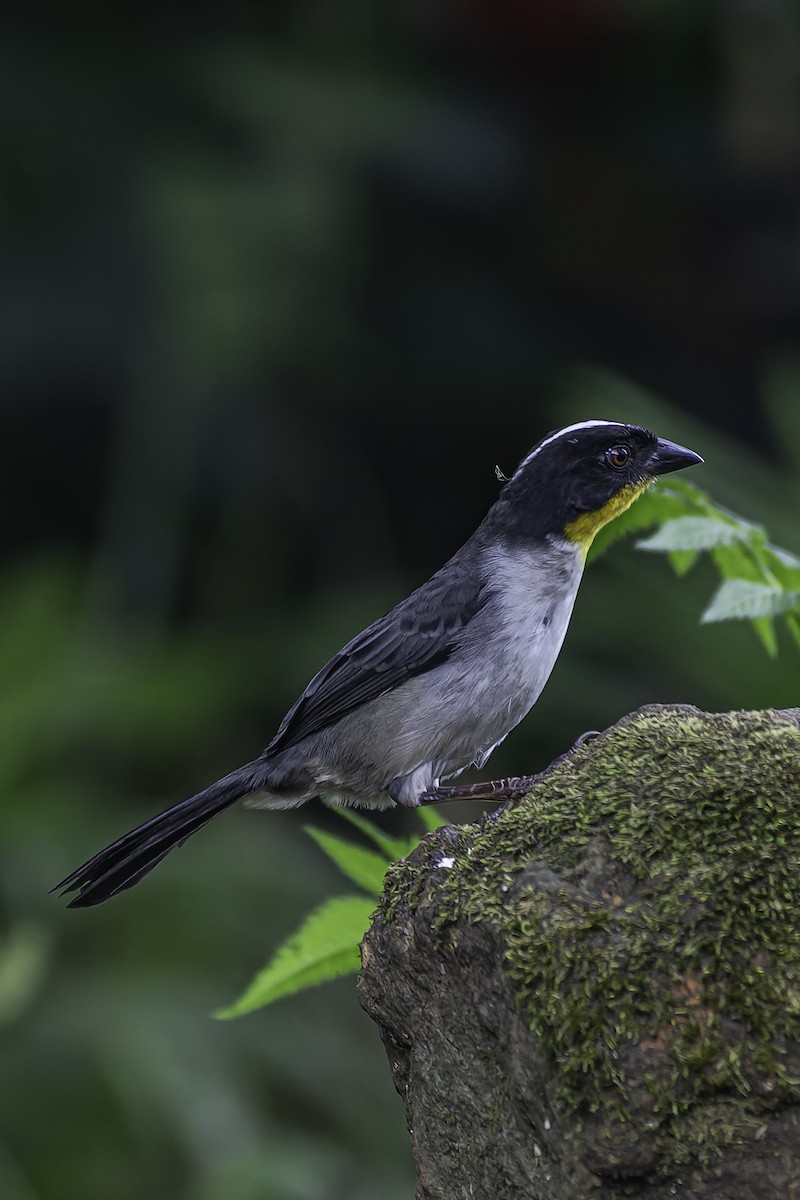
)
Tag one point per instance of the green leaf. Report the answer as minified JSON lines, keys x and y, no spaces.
{"x":737,"y":562}
{"x":693,"y":498}
{"x":741,"y":599}
{"x":695,"y":533}
{"x":785,"y":567}
{"x":324,"y":947}
{"x":793,"y":623}
{"x":393,"y":848}
{"x":765,"y":629}
{"x":683,"y":560}
{"x":785,"y":557}
{"x":364,"y":867}
{"x":430,"y":818}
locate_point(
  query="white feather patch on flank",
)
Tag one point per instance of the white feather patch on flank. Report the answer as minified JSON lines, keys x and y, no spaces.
{"x":576,"y":428}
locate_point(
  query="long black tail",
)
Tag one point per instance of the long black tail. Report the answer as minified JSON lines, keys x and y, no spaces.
{"x":130,"y":858}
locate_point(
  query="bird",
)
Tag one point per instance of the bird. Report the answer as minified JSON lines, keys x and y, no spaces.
{"x":437,"y":683}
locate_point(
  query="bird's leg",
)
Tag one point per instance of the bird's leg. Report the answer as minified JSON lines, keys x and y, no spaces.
{"x":507,"y":790}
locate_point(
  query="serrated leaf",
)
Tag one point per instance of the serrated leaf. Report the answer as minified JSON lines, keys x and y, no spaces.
{"x":690,"y":522}
{"x":430,"y":818}
{"x":742,"y":599}
{"x":364,"y":867}
{"x":694,"y":533}
{"x":393,"y":848}
{"x":324,"y":947}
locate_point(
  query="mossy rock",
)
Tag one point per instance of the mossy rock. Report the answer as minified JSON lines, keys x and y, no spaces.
{"x":598,"y":992}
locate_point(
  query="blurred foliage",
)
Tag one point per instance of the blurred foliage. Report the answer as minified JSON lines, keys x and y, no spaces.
{"x":23,"y":964}
{"x":760,"y":582}
{"x":280,"y":285}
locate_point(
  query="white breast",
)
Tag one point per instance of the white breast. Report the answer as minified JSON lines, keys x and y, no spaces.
{"x":535,"y":594}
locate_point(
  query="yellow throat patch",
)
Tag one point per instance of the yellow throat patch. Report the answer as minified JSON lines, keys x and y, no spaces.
{"x":584,"y":528}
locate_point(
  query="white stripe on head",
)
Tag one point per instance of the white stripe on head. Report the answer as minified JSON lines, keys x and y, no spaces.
{"x":559,"y":434}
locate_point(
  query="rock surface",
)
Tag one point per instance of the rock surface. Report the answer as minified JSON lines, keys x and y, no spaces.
{"x":597,"y":994}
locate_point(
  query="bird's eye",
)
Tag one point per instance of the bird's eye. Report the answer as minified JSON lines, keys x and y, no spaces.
{"x":618,"y":457}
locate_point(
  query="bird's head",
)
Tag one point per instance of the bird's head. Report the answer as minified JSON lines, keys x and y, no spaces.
{"x":579,"y":478}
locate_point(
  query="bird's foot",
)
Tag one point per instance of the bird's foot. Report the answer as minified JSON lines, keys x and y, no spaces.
{"x":492,"y":789}
{"x":506,"y":790}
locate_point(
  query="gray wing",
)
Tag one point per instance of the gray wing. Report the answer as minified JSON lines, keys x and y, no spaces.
{"x":417,"y":635}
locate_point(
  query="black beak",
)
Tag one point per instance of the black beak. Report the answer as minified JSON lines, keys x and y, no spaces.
{"x":668,"y":456}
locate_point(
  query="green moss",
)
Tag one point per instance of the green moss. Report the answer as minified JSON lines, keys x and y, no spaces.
{"x":648,"y":892}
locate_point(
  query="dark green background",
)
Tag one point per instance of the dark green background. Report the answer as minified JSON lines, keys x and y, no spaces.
{"x":280,"y":285}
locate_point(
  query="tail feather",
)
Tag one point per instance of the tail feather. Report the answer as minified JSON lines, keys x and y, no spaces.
{"x":131,"y":857}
